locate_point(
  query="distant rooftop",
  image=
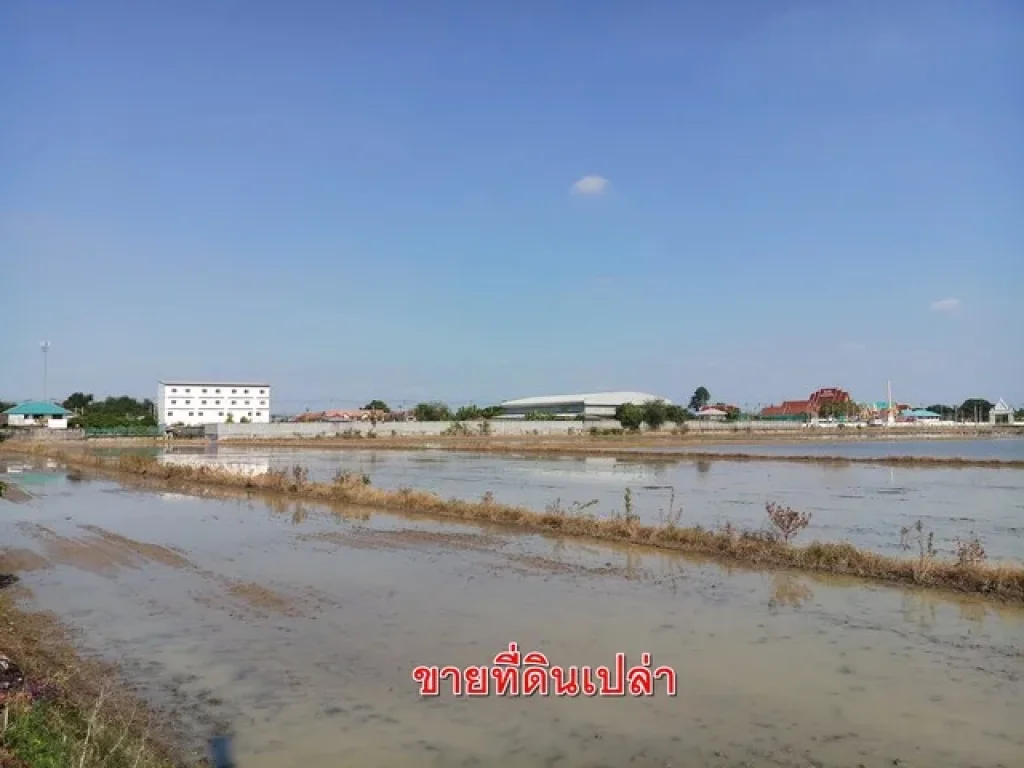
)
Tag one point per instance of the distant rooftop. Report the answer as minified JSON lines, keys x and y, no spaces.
{"x":201,"y":383}
{"x":590,"y":398}
{"x":37,"y":408}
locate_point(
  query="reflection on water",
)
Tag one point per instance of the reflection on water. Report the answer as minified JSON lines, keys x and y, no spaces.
{"x":305,"y":624}
{"x":867,"y":505}
{"x":789,"y":590}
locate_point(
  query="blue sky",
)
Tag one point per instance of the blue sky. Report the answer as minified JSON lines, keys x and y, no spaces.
{"x":353,"y":200}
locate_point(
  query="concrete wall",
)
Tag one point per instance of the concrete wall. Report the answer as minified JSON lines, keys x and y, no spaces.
{"x":21,"y":420}
{"x":498,"y":428}
{"x":285,"y":431}
{"x":394,"y":428}
{"x":40,"y":434}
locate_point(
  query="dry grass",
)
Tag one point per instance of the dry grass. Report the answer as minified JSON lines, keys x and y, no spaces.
{"x":968,"y":573}
{"x":69,"y":712}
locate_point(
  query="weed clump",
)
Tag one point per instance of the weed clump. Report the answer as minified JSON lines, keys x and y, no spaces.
{"x":969,"y":552}
{"x":926,"y":552}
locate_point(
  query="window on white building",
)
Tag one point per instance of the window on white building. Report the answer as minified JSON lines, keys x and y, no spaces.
{"x":174,"y":389}
{"x":191,"y":414}
{"x":218,"y":402}
{"x":221,"y":413}
{"x":233,"y":402}
{"x":204,"y":389}
{"x":200,"y":413}
{"x":248,"y":402}
{"x":187,"y":389}
{"x":234,"y":391}
{"x":174,"y":402}
{"x":262,"y":392}
{"x":170,"y":413}
{"x":217,"y":390}
{"x":188,"y":402}
{"x":203,"y":402}
{"x":263,"y":402}
{"x":250,"y":413}
{"x":246,"y":392}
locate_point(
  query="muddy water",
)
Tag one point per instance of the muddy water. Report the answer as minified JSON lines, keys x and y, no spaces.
{"x":1001,"y":448}
{"x":299,"y":626}
{"x":867,"y":505}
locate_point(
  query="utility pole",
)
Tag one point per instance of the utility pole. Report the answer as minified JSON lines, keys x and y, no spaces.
{"x":45,"y":347}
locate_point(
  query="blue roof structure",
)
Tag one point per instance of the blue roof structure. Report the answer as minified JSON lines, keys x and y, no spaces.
{"x":37,"y":408}
{"x":922,"y":413}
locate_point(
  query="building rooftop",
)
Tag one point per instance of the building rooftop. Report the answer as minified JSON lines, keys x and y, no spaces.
{"x":201,"y":383}
{"x":590,"y":398}
{"x":37,"y":408}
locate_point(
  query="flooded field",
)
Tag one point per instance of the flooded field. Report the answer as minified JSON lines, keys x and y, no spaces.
{"x":298,"y":627}
{"x":1002,"y":448}
{"x":863,"y":504}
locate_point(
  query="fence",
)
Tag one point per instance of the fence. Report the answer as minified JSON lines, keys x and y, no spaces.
{"x":123,"y":432}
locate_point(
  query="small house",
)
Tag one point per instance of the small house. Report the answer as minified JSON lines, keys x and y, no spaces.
{"x":709,"y":413}
{"x":1000,"y":413}
{"x":38,"y":413}
{"x":921,"y":415}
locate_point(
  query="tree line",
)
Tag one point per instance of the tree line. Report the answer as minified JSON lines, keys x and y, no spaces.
{"x":123,"y":411}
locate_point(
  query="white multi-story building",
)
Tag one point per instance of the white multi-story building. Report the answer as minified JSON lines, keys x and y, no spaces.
{"x":211,"y":402}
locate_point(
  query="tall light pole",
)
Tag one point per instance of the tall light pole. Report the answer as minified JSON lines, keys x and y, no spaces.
{"x":45,"y":346}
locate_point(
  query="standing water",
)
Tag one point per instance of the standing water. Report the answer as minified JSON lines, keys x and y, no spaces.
{"x":297,"y":627}
{"x":861,"y":503}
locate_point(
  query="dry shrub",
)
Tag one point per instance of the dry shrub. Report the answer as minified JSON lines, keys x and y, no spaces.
{"x":787,"y":521}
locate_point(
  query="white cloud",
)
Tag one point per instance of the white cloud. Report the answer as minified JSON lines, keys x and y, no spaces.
{"x":945,"y":305}
{"x":591,"y":185}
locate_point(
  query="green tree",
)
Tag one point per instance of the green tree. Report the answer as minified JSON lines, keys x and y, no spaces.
{"x":947,"y":412}
{"x":468,"y":413}
{"x":78,"y":401}
{"x":123,"y":411}
{"x":677,"y":414}
{"x":6,"y":404}
{"x":230,"y":419}
{"x":975,"y":408}
{"x":432,"y":411}
{"x":377,"y":405}
{"x":655,"y":413}
{"x":701,"y":397}
{"x":490,"y":412}
{"x":630,"y":416}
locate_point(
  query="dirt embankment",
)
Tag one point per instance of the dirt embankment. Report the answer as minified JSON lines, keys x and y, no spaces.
{"x":59,"y":709}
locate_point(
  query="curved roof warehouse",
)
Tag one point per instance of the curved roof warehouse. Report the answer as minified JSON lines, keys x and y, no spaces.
{"x":594,"y":405}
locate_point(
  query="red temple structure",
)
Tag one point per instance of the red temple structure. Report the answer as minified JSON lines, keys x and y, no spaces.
{"x":809,"y":407}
